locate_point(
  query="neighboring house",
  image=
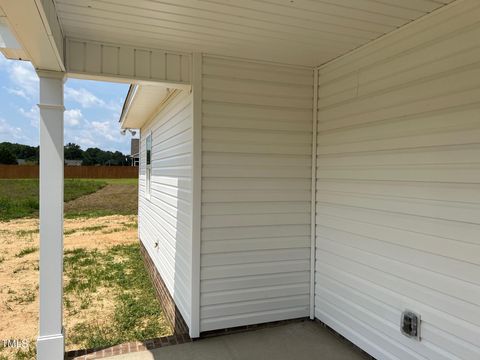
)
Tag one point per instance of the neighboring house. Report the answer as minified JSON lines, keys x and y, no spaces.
{"x":73,"y":162}
{"x":135,"y":151}
{"x":298,"y":159}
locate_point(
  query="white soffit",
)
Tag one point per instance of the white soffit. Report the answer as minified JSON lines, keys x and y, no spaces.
{"x":145,"y":103}
{"x":304,"y":32}
{"x":35,"y":26}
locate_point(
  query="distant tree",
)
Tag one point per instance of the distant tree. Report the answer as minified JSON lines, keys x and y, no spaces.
{"x":7,"y":157}
{"x":73,"y":152}
{"x":25,"y":152}
{"x":90,"y":156}
{"x":121,"y":159}
{"x":96,"y":156}
{"x":104,"y":157}
{"x":20,"y":151}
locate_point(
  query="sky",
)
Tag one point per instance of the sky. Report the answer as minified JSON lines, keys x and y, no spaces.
{"x":92,"y":109}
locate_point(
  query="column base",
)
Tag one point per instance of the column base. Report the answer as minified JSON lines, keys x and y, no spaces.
{"x":51,"y":347}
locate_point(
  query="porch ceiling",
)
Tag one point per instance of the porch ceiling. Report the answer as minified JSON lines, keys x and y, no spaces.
{"x":304,"y":32}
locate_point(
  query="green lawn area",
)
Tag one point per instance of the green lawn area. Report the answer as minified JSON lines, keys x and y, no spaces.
{"x":137,"y":314}
{"x":108,"y":296}
{"x":19,"y":197}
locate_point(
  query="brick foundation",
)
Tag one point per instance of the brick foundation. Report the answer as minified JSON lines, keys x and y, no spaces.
{"x":134,"y":346}
{"x":172,"y":314}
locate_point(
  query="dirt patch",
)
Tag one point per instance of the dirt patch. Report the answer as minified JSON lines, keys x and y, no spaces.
{"x":19,"y":241}
{"x":115,"y":198}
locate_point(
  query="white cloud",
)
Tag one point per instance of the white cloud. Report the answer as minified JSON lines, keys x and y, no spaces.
{"x":73,"y":117}
{"x":103,"y":134}
{"x":83,"y":97}
{"x":17,"y":92}
{"x":107,"y":129}
{"x":24,"y":80}
{"x":33,"y":114}
{"x":100,"y":126}
{"x":89,"y":100}
{"x":3,"y":61}
{"x":10,"y":133}
{"x":83,"y":138}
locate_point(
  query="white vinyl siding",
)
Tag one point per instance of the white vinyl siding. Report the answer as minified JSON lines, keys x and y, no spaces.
{"x":398,"y":189}
{"x":165,"y":218}
{"x":256,"y":192}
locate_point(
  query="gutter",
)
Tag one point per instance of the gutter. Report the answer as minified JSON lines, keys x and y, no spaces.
{"x":132,"y":91}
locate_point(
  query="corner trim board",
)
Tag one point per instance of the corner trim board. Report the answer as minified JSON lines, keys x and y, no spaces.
{"x":197,"y":68}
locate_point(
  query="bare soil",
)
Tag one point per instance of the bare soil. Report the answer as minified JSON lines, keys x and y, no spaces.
{"x":19,"y":257}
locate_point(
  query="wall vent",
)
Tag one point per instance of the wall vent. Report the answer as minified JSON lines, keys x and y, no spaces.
{"x":410,"y":324}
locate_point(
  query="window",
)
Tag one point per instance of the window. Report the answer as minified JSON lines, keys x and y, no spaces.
{"x":148,"y":169}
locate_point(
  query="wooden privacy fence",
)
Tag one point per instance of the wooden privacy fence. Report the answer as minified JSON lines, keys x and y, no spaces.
{"x":83,"y":172}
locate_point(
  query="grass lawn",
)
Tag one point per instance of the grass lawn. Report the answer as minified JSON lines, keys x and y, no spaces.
{"x":118,"y":270}
{"x":108,"y":296}
{"x":19,"y":197}
{"x":118,"y":197}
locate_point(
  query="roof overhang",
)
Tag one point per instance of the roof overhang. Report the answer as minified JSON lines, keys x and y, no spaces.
{"x":142,"y":103}
{"x":31,"y":31}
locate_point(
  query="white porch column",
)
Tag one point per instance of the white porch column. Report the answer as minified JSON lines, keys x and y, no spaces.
{"x":50,"y":342}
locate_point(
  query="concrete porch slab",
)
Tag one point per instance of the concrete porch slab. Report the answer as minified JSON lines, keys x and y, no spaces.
{"x":300,"y":341}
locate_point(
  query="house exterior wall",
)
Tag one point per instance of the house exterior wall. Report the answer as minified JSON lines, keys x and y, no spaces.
{"x":165,"y":216}
{"x":398,"y":189}
{"x":256,"y":192}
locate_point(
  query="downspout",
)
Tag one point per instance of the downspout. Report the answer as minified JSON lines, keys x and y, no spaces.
{"x":313,"y":190}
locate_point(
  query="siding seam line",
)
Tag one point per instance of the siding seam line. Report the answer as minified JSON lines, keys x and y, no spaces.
{"x":313,"y":193}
